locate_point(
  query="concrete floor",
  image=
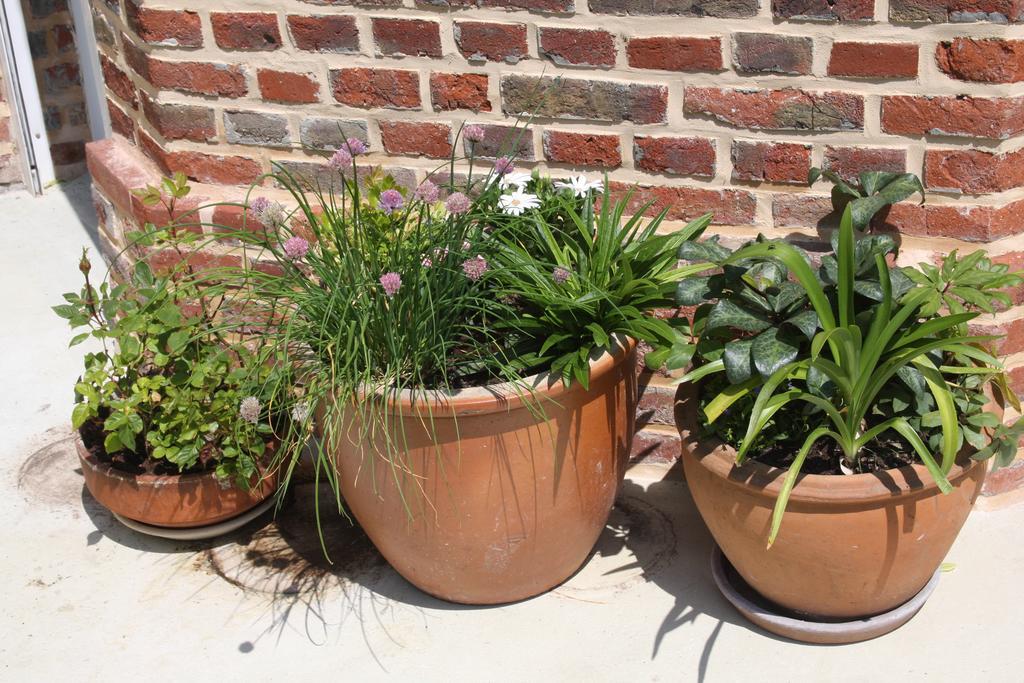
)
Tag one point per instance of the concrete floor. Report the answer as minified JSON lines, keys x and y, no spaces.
{"x":85,"y":599}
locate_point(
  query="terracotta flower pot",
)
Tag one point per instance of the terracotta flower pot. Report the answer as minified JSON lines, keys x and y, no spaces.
{"x":495,"y":502}
{"x":849,"y":546}
{"x":169,"y":500}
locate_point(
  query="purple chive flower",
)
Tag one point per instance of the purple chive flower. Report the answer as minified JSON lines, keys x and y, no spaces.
{"x":427,"y":192}
{"x":457,"y":203}
{"x":391,"y":282}
{"x":259,"y":205}
{"x":466,"y":246}
{"x":356,"y":146}
{"x":503,"y":165}
{"x":249,"y":409}
{"x":340,"y":160}
{"x":427,"y":262}
{"x":295,"y":247}
{"x":390,"y":200}
{"x":475,"y":267}
{"x":474,"y":133}
{"x":560,"y":275}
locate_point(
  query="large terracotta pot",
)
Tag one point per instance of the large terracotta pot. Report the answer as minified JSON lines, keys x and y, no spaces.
{"x":849,"y":546}
{"x":504,"y":495}
{"x":169,"y":500}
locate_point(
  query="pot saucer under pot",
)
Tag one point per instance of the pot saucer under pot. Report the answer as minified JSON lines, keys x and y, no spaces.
{"x":198,"y":533}
{"x":803,"y":627}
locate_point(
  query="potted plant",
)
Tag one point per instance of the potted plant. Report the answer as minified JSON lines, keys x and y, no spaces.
{"x":168,"y":437}
{"x":838,"y":414}
{"x":464,"y":354}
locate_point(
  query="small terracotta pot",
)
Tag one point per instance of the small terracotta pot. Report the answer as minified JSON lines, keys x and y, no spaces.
{"x":494,"y":501}
{"x":169,"y":500}
{"x":849,"y":546}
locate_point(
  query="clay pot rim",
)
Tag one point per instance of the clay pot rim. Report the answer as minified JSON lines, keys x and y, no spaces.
{"x":719,"y":458}
{"x":145,"y":479}
{"x":492,"y":398}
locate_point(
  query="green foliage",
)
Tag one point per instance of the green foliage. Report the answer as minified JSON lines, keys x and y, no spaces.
{"x":165,"y":385}
{"x":860,"y":346}
{"x":876,"y":190}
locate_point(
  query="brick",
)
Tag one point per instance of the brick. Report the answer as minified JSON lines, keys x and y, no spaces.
{"x":120,"y":122}
{"x":655,"y":446}
{"x":40,"y":9}
{"x":503,"y":141}
{"x":577,"y":47}
{"x":119,"y":82}
{"x":694,"y":8}
{"x":801,"y":211}
{"x":63,"y":38}
{"x":675,"y":156}
{"x":256,"y":31}
{"x":1011,"y":331}
{"x":373,"y":88}
{"x":489,"y":41}
{"x":1005,"y":479}
{"x":730,"y":207}
{"x":546,"y":6}
{"x":770,"y":162}
{"x":288,"y":87}
{"x":67,"y":153}
{"x":584,"y":99}
{"x":873,"y":60}
{"x":173,"y":28}
{"x":988,"y":60}
{"x":824,"y":10}
{"x":960,"y":11}
{"x":431,"y":140}
{"x":656,"y":403}
{"x":255,"y":128}
{"x":459,"y":91}
{"x":959,"y":221}
{"x":848,"y":162}
{"x":330,"y":134}
{"x":771,"y":53}
{"x":675,"y":53}
{"x":582,"y":149}
{"x":413,"y":37}
{"x":117,"y":168}
{"x":198,"y":78}
{"x":963,"y":116}
{"x":787,"y":109}
{"x":37,"y":46}
{"x":164,"y":261}
{"x":60,"y":77}
{"x":332,"y":33}
{"x":973,"y":171}
{"x":230,"y":218}
{"x":180,"y":121}
{"x":1015,"y":261}
{"x":322,"y":175}
{"x":214,"y":168}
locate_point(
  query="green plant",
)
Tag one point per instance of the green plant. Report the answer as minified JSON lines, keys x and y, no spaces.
{"x":390,"y":291}
{"x":876,"y":189}
{"x":165,"y":387}
{"x":864,"y":356}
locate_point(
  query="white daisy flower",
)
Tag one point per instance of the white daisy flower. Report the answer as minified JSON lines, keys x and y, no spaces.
{"x":580,"y":186}
{"x":516,"y":203}
{"x":517,"y":180}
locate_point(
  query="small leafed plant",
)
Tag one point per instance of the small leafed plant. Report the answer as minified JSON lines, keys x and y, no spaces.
{"x":874,"y":191}
{"x":164,"y":390}
{"x":849,"y":352}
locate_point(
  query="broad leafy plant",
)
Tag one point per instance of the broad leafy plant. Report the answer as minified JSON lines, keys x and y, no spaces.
{"x":874,"y":191}
{"x":859,"y":343}
{"x":164,"y":390}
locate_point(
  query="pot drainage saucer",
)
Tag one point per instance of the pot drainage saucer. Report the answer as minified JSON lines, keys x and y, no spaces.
{"x":198,"y":533}
{"x":791,"y":625}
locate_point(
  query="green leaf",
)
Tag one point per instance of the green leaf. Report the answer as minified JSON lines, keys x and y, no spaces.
{"x":703,"y":250}
{"x":693,"y":291}
{"x":771,"y":350}
{"x":727,"y":314}
{"x":112,"y":443}
{"x":79,"y":414}
{"x":790,"y":481}
{"x":738,"y":367}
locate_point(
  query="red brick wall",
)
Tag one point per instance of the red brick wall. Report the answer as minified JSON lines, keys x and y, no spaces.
{"x":51,"y":38}
{"x":10,"y":163}
{"x":717,"y":105}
